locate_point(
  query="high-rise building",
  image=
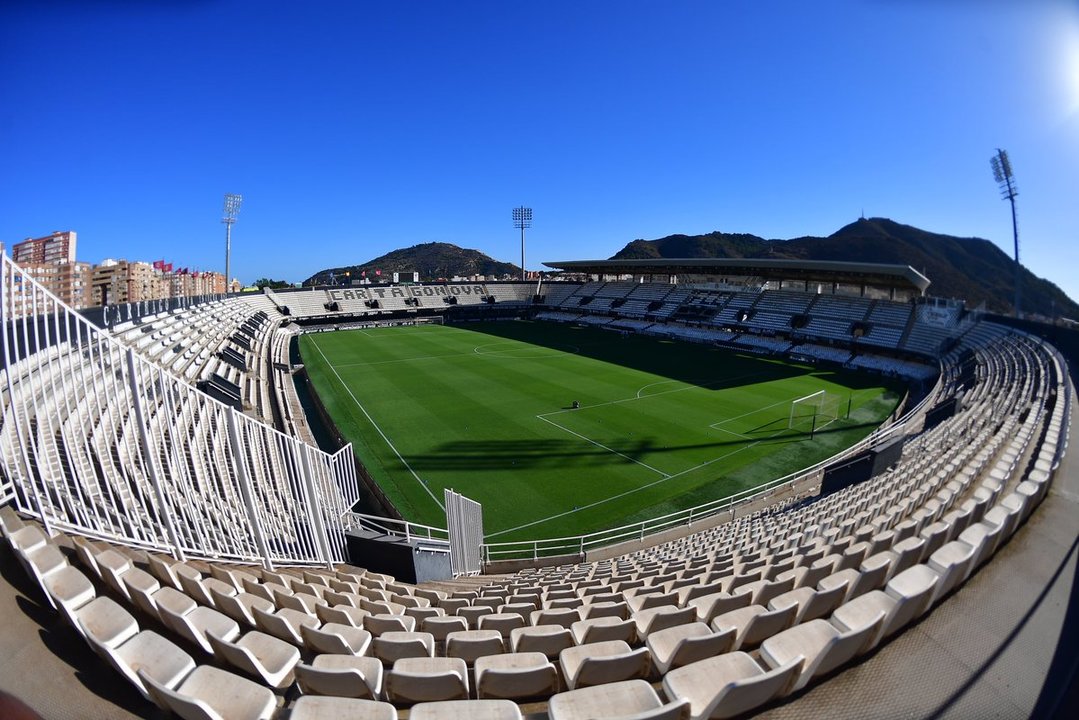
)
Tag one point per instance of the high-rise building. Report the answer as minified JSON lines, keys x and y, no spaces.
{"x":55,"y":248}
{"x":121,"y":281}
{"x":68,"y":281}
{"x":51,"y":261}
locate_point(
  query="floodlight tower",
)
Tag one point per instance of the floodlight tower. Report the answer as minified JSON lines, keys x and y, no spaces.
{"x":522,"y":218}
{"x":1002,"y":173}
{"x":232,"y":209}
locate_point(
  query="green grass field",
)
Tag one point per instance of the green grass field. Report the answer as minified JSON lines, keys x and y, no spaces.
{"x":485,"y":409}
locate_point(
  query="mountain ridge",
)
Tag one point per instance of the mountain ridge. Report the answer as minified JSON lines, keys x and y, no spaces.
{"x":972,"y":269}
{"x":433,"y":261}
{"x":968,"y":268}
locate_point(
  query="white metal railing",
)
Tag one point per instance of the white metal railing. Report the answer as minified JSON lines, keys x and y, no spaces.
{"x":433,"y":537}
{"x":98,"y":440}
{"x":464,"y":522}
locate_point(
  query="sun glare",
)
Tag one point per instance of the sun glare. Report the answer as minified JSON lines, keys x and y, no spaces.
{"x":1070,"y":64}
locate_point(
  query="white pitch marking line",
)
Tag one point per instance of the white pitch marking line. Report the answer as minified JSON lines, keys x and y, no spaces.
{"x":375,"y":425}
{"x":715,"y":425}
{"x":634,"y":490}
{"x":661,"y":382}
{"x":638,"y":396}
{"x":601,"y":445}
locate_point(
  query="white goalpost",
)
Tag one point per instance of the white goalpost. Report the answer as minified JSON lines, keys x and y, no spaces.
{"x":814,"y":411}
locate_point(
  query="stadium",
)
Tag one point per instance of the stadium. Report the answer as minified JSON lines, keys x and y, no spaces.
{"x":682,"y":488}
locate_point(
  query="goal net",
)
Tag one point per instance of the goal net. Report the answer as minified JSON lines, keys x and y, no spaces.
{"x":814,"y":412}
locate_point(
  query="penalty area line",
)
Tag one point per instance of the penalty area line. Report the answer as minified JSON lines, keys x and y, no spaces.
{"x":634,"y":490}
{"x":604,"y":447}
{"x":375,"y":425}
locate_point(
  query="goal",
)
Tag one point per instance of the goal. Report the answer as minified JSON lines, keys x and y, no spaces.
{"x":814,"y":412}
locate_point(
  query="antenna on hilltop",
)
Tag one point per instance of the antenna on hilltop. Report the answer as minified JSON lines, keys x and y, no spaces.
{"x":1002,"y":173}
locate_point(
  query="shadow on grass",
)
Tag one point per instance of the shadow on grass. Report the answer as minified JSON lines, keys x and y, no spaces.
{"x":502,"y":455}
{"x":693,"y":364}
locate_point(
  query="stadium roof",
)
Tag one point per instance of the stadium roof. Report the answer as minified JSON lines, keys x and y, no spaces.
{"x":818,"y":270}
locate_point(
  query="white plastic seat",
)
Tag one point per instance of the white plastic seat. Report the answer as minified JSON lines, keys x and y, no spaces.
{"x":319,"y":707}
{"x":953,"y":562}
{"x":515,"y":676}
{"x":69,"y":589}
{"x":270,"y":659}
{"x":908,"y":553}
{"x":106,"y":620}
{"x":341,"y":675}
{"x":983,"y":536}
{"x":168,"y":572}
{"x":113,"y":565}
{"x":754,"y":623}
{"x":658,"y":618}
{"x":762,"y":591}
{"x":336,"y":638}
{"x":302,"y":601}
{"x":238,"y":606}
{"x":209,"y":693}
{"x":547,"y":639}
{"x":341,"y":614}
{"x":905,"y":599}
{"x":600,"y":629}
{"x":683,"y":644}
{"x":43,"y":562}
{"x":427,"y":679}
{"x":440,"y":627}
{"x":198,"y":588}
{"x":389,"y":647}
{"x":145,"y":654}
{"x":811,"y":603}
{"x":503,"y":622}
{"x":606,"y":608}
{"x":284,"y":624}
{"x":627,"y":699}
{"x":27,"y":538}
{"x":709,"y":607}
{"x":603,"y":662}
{"x":197,"y":622}
{"x":643,"y":601}
{"x":379,"y":623}
{"x":818,"y":646}
{"x":472,"y":644}
{"x":728,"y":685}
{"x":557,"y":616}
{"x":466,"y":710}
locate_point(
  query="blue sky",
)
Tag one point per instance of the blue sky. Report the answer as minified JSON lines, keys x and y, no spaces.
{"x":354,"y":128}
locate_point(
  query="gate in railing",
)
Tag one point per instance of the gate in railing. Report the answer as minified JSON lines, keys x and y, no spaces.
{"x":464,"y":520}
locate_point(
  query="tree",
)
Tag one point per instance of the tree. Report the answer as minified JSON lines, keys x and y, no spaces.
{"x":272,"y":284}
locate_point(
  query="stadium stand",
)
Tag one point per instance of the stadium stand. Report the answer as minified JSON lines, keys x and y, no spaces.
{"x":716,"y":623}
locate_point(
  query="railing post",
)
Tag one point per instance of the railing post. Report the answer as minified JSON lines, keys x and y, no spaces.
{"x":148,"y":458}
{"x":24,"y":455}
{"x":246,"y":490}
{"x":314,"y":505}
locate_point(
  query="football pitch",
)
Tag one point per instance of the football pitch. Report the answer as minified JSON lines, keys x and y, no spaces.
{"x":487,"y":410}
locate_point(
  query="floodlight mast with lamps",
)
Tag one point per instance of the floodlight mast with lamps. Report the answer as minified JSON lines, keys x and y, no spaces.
{"x":232,"y":209}
{"x":1002,"y":173}
{"x":522,"y":218}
